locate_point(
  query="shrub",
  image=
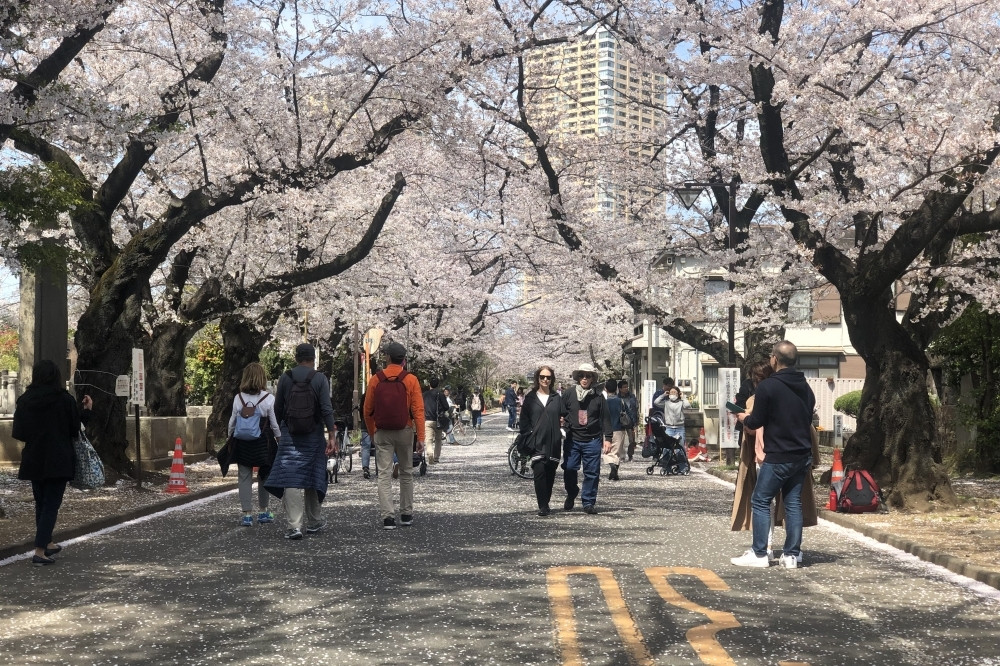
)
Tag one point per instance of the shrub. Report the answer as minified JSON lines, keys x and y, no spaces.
{"x":849,"y":403}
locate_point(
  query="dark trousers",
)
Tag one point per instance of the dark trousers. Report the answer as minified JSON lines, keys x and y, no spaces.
{"x":544,"y":471}
{"x":511,"y":416}
{"x":48,"y":498}
{"x":631,"y":442}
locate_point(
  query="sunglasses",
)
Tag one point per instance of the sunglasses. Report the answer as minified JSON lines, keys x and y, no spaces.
{"x":541,"y":377}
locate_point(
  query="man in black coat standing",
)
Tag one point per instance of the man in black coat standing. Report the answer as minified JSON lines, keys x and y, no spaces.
{"x":588,"y":422}
{"x":783,"y":406}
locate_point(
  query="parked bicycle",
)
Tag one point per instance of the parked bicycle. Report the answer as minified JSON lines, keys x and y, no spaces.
{"x":343,"y":461}
{"x":519,"y":465}
{"x":462,"y":431}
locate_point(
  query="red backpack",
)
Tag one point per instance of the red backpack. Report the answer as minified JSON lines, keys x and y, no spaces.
{"x":392,"y":409}
{"x":859,"y":494}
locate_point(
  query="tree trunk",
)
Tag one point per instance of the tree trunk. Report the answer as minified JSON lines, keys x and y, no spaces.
{"x":242,"y":341}
{"x":166,"y":360}
{"x":895,"y":438}
{"x":104,"y":341}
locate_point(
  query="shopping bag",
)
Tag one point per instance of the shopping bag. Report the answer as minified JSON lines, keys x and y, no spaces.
{"x":89,"y":473}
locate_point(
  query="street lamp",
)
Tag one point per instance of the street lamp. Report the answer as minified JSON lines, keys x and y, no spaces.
{"x":688,"y":194}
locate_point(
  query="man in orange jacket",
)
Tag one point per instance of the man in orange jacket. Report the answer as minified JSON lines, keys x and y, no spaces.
{"x":394,"y":414}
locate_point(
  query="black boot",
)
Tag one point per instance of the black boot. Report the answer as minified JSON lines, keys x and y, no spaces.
{"x":613,"y":475}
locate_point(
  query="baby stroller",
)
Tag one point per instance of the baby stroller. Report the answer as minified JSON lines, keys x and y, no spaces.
{"x":667,"y":452}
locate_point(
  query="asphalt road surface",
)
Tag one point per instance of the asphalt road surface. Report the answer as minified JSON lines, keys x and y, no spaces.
{"x":480,"y":579}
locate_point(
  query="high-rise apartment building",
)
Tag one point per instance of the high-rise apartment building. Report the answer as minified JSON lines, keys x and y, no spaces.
{"x":590,"y":87}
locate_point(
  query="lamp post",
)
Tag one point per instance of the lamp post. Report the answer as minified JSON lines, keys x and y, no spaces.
{"x":688,"y":194}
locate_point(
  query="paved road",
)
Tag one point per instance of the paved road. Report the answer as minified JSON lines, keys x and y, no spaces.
{"x":479,"y":579}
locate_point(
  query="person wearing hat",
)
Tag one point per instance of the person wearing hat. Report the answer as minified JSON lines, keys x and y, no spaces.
{"x":298,"y":475}
{"x":588,"y":424}
{"x":394,"y":418}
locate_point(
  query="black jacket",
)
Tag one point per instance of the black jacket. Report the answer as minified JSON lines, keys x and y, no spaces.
{"x":540,"y":424}
{"x":783,"y":405}
{"x":598,"y":417}
{"x":434,"y":403}
{"x":46,"y":419}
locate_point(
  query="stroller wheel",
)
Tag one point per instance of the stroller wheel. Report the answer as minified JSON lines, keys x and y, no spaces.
{"x":664,"y":471}
{"x":649,"y":470}
{"x":687,"y":471}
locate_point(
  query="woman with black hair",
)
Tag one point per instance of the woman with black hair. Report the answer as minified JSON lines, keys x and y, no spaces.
{"x":541,"y":416}
{"x":47,"y":419}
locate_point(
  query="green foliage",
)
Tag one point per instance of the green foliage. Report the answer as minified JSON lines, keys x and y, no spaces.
{"x":849,"y":403}
{"x":970,"y":346}
{"x":203,"y":366}
{"x":39,"y":193}
{"x":8,"y":348}
{"x":274,"y":360}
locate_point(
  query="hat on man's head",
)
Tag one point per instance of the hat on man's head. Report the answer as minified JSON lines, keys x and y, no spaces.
{"x":584,"y":369}
{"x":305,"y":352}
{"x":394,"y":350}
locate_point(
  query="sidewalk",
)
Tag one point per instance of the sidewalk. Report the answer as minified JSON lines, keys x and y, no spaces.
{"x":910,"y":533}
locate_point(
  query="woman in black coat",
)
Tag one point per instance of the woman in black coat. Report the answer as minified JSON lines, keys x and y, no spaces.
{"x":541,"y":418}
{"x":47,"y":419}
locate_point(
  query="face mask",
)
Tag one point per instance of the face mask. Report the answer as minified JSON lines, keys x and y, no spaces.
{"x":675,"y":398}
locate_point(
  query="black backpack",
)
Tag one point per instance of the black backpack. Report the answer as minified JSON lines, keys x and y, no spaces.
{"x":300,"y":409}
{"x":624,"y":417}
{"x":859,"y":494}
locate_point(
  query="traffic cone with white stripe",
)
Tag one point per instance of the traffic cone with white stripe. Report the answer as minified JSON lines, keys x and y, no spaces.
{"x":836,"y":480}
{"x":703,"y":444}
{"x":178,"y":481}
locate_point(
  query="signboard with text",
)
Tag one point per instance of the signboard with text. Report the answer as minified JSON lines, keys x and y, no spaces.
{"x":729,"y":386}
{"x":138,"y":378}
{"x":123,"y":385}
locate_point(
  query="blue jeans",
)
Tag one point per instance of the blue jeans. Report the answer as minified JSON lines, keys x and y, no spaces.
{"x":477,"y":419}
{"x":784,"y":478}
{"x":587,"y":454}
{"x":511,"y":416}
{"x":366,"y":449}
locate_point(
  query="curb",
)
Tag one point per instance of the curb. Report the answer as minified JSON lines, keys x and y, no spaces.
{"x":940,"y":558}
{"x":110,"y":521}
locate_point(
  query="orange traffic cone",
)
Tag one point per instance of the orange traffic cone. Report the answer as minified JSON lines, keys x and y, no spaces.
{"x":703,"y":444}
{"x":837,"y":472}
{"x":178,"y":482}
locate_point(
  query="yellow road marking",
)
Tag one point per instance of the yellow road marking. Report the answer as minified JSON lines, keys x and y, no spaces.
{"x":562,"y":608}
{"x":702,"y":637}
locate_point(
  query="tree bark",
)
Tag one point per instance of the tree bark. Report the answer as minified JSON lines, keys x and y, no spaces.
{"x":896,"y":438}
{"x":167,"y":354}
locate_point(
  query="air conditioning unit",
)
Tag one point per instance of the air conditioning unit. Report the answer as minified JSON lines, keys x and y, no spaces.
{"x":668,"y":261}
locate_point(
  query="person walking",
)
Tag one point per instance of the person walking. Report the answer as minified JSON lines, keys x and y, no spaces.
{"x":587,"y":423}
{"x":394,"y":409}
{"x":671,"y":406}
{"x":46,"y":419}
{"x":629,"y":417}
{"x":435,"y":404}
{"x":510,"y":405}
{"x":618,"y":436}
{"x":476,"y":405}
{"x":541,"y":435}
{"x":783,"y":406}
{"x":253,"y":413}
{"x":302,"y":407}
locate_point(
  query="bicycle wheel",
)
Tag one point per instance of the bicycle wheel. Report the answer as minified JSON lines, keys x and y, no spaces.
{"x":519,"y":465}
{"x":471,"y":434}
{"x":347,"y":464}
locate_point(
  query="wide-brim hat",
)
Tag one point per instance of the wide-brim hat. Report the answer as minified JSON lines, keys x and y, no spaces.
{"x":584,"y":369}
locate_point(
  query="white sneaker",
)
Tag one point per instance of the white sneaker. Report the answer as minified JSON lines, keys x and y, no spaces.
{"x":788,"y":562}
{"x":751,"y":559}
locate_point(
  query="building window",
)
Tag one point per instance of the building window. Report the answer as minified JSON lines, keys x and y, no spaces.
{"x":800,"y":306}
{"x":710,"y":386}
{"x":715,"y":308}
{"x":819,"y":366}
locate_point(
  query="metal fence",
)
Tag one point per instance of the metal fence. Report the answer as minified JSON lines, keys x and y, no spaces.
{"x":827,"y":391}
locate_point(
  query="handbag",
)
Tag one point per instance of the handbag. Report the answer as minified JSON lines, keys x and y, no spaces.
{"x":225,"y":455}
{"x":522,"y":442}
{"x":89,"y":472}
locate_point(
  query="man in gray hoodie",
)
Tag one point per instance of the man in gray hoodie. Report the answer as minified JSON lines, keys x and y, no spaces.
{"x":783,"y":406}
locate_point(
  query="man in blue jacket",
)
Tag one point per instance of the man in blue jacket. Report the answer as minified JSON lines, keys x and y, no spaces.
{"x":783,"y":406}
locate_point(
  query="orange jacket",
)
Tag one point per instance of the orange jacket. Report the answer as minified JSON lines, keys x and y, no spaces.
{"x":414,"y":398}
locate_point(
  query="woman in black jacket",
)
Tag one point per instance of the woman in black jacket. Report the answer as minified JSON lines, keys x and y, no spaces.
{"x":541,"y":417}
{"x":47,"y":419}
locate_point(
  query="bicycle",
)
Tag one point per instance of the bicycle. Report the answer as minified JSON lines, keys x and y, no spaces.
{"x":343,"y":461}
{"x":463,"y":432}
{"x":519,"y":465}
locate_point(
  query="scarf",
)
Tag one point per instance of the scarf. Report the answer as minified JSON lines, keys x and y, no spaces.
{"x":581,"y":394}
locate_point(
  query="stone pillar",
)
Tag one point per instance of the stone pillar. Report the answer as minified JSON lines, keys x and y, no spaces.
{"x":44,"y":322}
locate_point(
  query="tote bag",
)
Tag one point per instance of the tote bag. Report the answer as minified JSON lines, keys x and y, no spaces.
{"x":89,"y":473}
